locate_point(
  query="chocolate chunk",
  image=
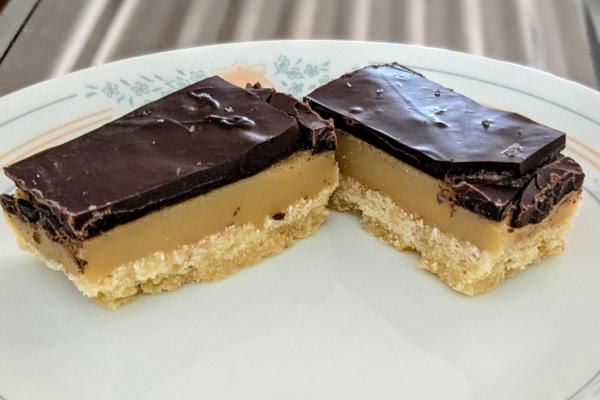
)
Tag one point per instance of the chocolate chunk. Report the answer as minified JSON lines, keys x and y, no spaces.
{"x":545,"y":189}
{"x":8,"y":203}
{"x":29,"y":211}
{"x":279,"y":216}
{"x":490,"y":201}
{"x":528,"y":204}
{"x":318,"y":133}
{"x":202,"y":137}
{"x":260,"y":91}
{"x":433,"y":128}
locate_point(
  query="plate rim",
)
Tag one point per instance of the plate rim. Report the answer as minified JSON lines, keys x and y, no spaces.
{"x":331,"y":42}
{"x":327,"y":42}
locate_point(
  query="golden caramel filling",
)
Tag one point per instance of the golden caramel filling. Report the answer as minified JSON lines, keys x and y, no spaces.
{"x":249,"y":201}
{"x":417,"y":193}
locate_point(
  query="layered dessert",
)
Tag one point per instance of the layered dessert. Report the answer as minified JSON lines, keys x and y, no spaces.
{"x":189,"y":188}
{"x":480,"y":193}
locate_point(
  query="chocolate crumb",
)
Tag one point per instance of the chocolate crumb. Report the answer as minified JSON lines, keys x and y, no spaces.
{"x":278,"y":216}
{"x":452,"y":209}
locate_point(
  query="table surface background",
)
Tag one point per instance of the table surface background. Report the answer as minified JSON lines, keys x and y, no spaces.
{"x":40,"y":39}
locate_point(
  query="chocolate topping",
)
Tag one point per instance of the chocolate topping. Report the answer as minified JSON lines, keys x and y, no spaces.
{"x":202,"y":137}
{"x":546,"y":188}
{"x":529,"y":204}
{"x":495,"y":163}
{"x":491,"y":201}
{"x":262,"y":92}
{"x":433,"y":128}
{"x":318,"y":133}
{"x":28,"y":210}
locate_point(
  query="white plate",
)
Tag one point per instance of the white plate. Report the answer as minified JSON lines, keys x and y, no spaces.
{"x":338,"y":315}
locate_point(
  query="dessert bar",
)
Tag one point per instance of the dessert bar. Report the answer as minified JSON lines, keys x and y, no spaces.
{"x":480,"y":193}
{"x":189,"y":188}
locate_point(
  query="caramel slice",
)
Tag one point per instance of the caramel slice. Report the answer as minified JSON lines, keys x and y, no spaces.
{"x":189,"y":188}
{"x":479,"y":193}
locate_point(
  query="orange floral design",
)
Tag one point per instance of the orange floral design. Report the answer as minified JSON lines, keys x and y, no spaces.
{"x":241,"y":73}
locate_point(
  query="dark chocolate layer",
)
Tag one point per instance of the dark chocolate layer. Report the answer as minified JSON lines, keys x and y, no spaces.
{"x":433,"y":128}
{"x":490,"y":201}
{"x":528,"y":204}
{"x":31,"y":212}
{"x":319,"y":133}
{"x":202,"y":137}
{"x":546,"y":188}
{"x":495,"y":163}
{"x":257,"y":89}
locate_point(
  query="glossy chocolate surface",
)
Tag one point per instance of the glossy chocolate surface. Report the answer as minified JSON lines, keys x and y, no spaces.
{"x":528,"y":204}
{"x":490,"y":201}
{"x":495,"y":163}
{"x":319,"y":133}
{"x":546,"y":188}
{"x":433,"y":128}
{"x":207,"y":135}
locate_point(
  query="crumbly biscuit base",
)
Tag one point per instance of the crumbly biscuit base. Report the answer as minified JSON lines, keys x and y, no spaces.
{"x":458,"y":263}
{"x":211,"y":259}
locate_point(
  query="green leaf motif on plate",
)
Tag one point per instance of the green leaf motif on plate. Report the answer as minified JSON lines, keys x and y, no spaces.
{"x":297,"y":76}
{"x":143,"y":89}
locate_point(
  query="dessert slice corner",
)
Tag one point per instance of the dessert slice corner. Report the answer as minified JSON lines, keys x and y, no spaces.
{"x":478,"y":192}
{"x":200,"y":184}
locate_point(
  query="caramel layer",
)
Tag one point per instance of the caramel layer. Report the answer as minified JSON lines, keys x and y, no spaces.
{"x":418,"y":193}
{"x":249,"y":201}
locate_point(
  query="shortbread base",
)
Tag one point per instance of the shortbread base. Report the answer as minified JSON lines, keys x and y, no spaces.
{"x":458,"y":263}
{"x":212,"y":258}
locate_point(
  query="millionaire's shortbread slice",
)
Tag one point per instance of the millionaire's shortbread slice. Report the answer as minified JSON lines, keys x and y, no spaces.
{"x":480,"y":193}
{"x":189,"y":188}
